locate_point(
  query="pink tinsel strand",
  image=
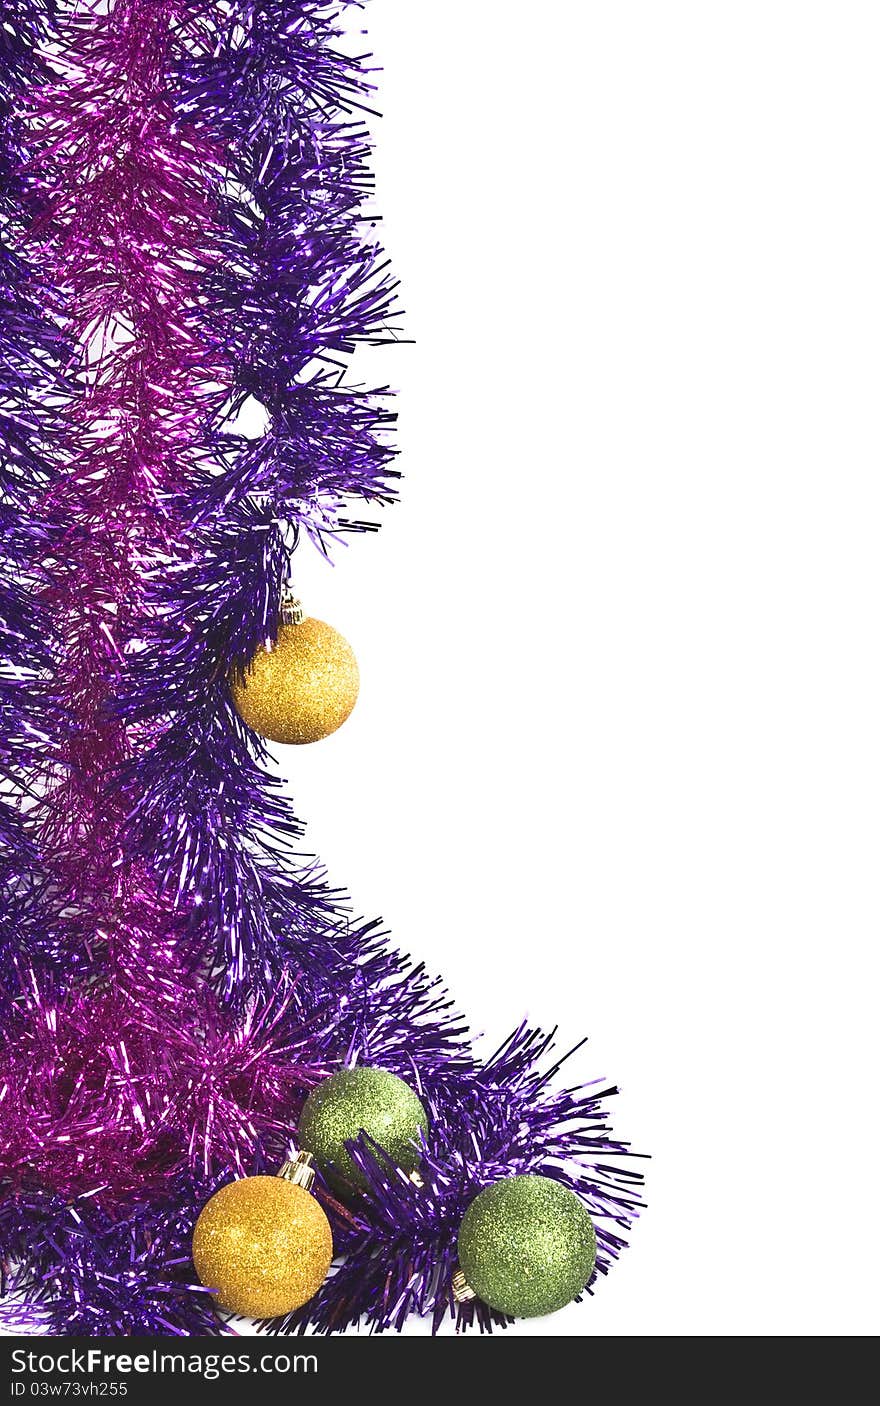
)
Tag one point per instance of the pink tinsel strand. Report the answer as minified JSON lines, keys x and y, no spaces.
{"x":124,"y":225}
{"x":113,"y":1088}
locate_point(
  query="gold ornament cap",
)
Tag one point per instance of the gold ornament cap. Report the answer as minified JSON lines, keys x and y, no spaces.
{"x":461,"y":1289}
{"x":291,"y":612}
{"x":300,"y":1170}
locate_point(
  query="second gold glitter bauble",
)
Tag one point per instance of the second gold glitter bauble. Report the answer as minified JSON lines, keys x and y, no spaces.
{"x":300,"y":689}
{"x":264,"y":1244}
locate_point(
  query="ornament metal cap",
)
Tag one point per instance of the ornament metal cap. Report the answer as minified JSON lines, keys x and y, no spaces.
{"x":299,"y":1170}
{"x":291,"y":610}
{"x":461,"y":1289}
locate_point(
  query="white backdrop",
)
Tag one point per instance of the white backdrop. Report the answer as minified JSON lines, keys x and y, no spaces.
{"x":615,"y":762}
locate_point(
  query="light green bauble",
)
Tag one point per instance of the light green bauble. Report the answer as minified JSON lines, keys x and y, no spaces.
{"x":527,"y":1246}
{"x":359,"y":1100}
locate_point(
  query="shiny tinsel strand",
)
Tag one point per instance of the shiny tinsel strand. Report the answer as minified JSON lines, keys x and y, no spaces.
{"x":33,"y":353}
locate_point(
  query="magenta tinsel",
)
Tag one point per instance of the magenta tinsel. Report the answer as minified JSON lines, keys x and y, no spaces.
{"x":182,"y":188}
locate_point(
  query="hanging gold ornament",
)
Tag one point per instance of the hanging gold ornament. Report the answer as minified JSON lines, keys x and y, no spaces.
{"x":263,"y":1243}
{"x":302,"y":687}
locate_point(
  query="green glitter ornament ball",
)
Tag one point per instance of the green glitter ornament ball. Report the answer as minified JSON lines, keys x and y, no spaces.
{"x":358,"y":1100}
{"x":527,"y":1246}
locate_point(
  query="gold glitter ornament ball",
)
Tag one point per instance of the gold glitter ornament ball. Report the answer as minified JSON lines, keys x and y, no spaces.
{"x":265,"y":1246}
{"x":300,"y":689}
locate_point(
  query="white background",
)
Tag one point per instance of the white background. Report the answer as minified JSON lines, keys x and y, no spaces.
{"x":616,"y":761}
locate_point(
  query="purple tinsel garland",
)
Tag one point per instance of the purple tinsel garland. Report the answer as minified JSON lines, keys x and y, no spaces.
{"x":190,"y":178}
{"x":32,"y":352}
